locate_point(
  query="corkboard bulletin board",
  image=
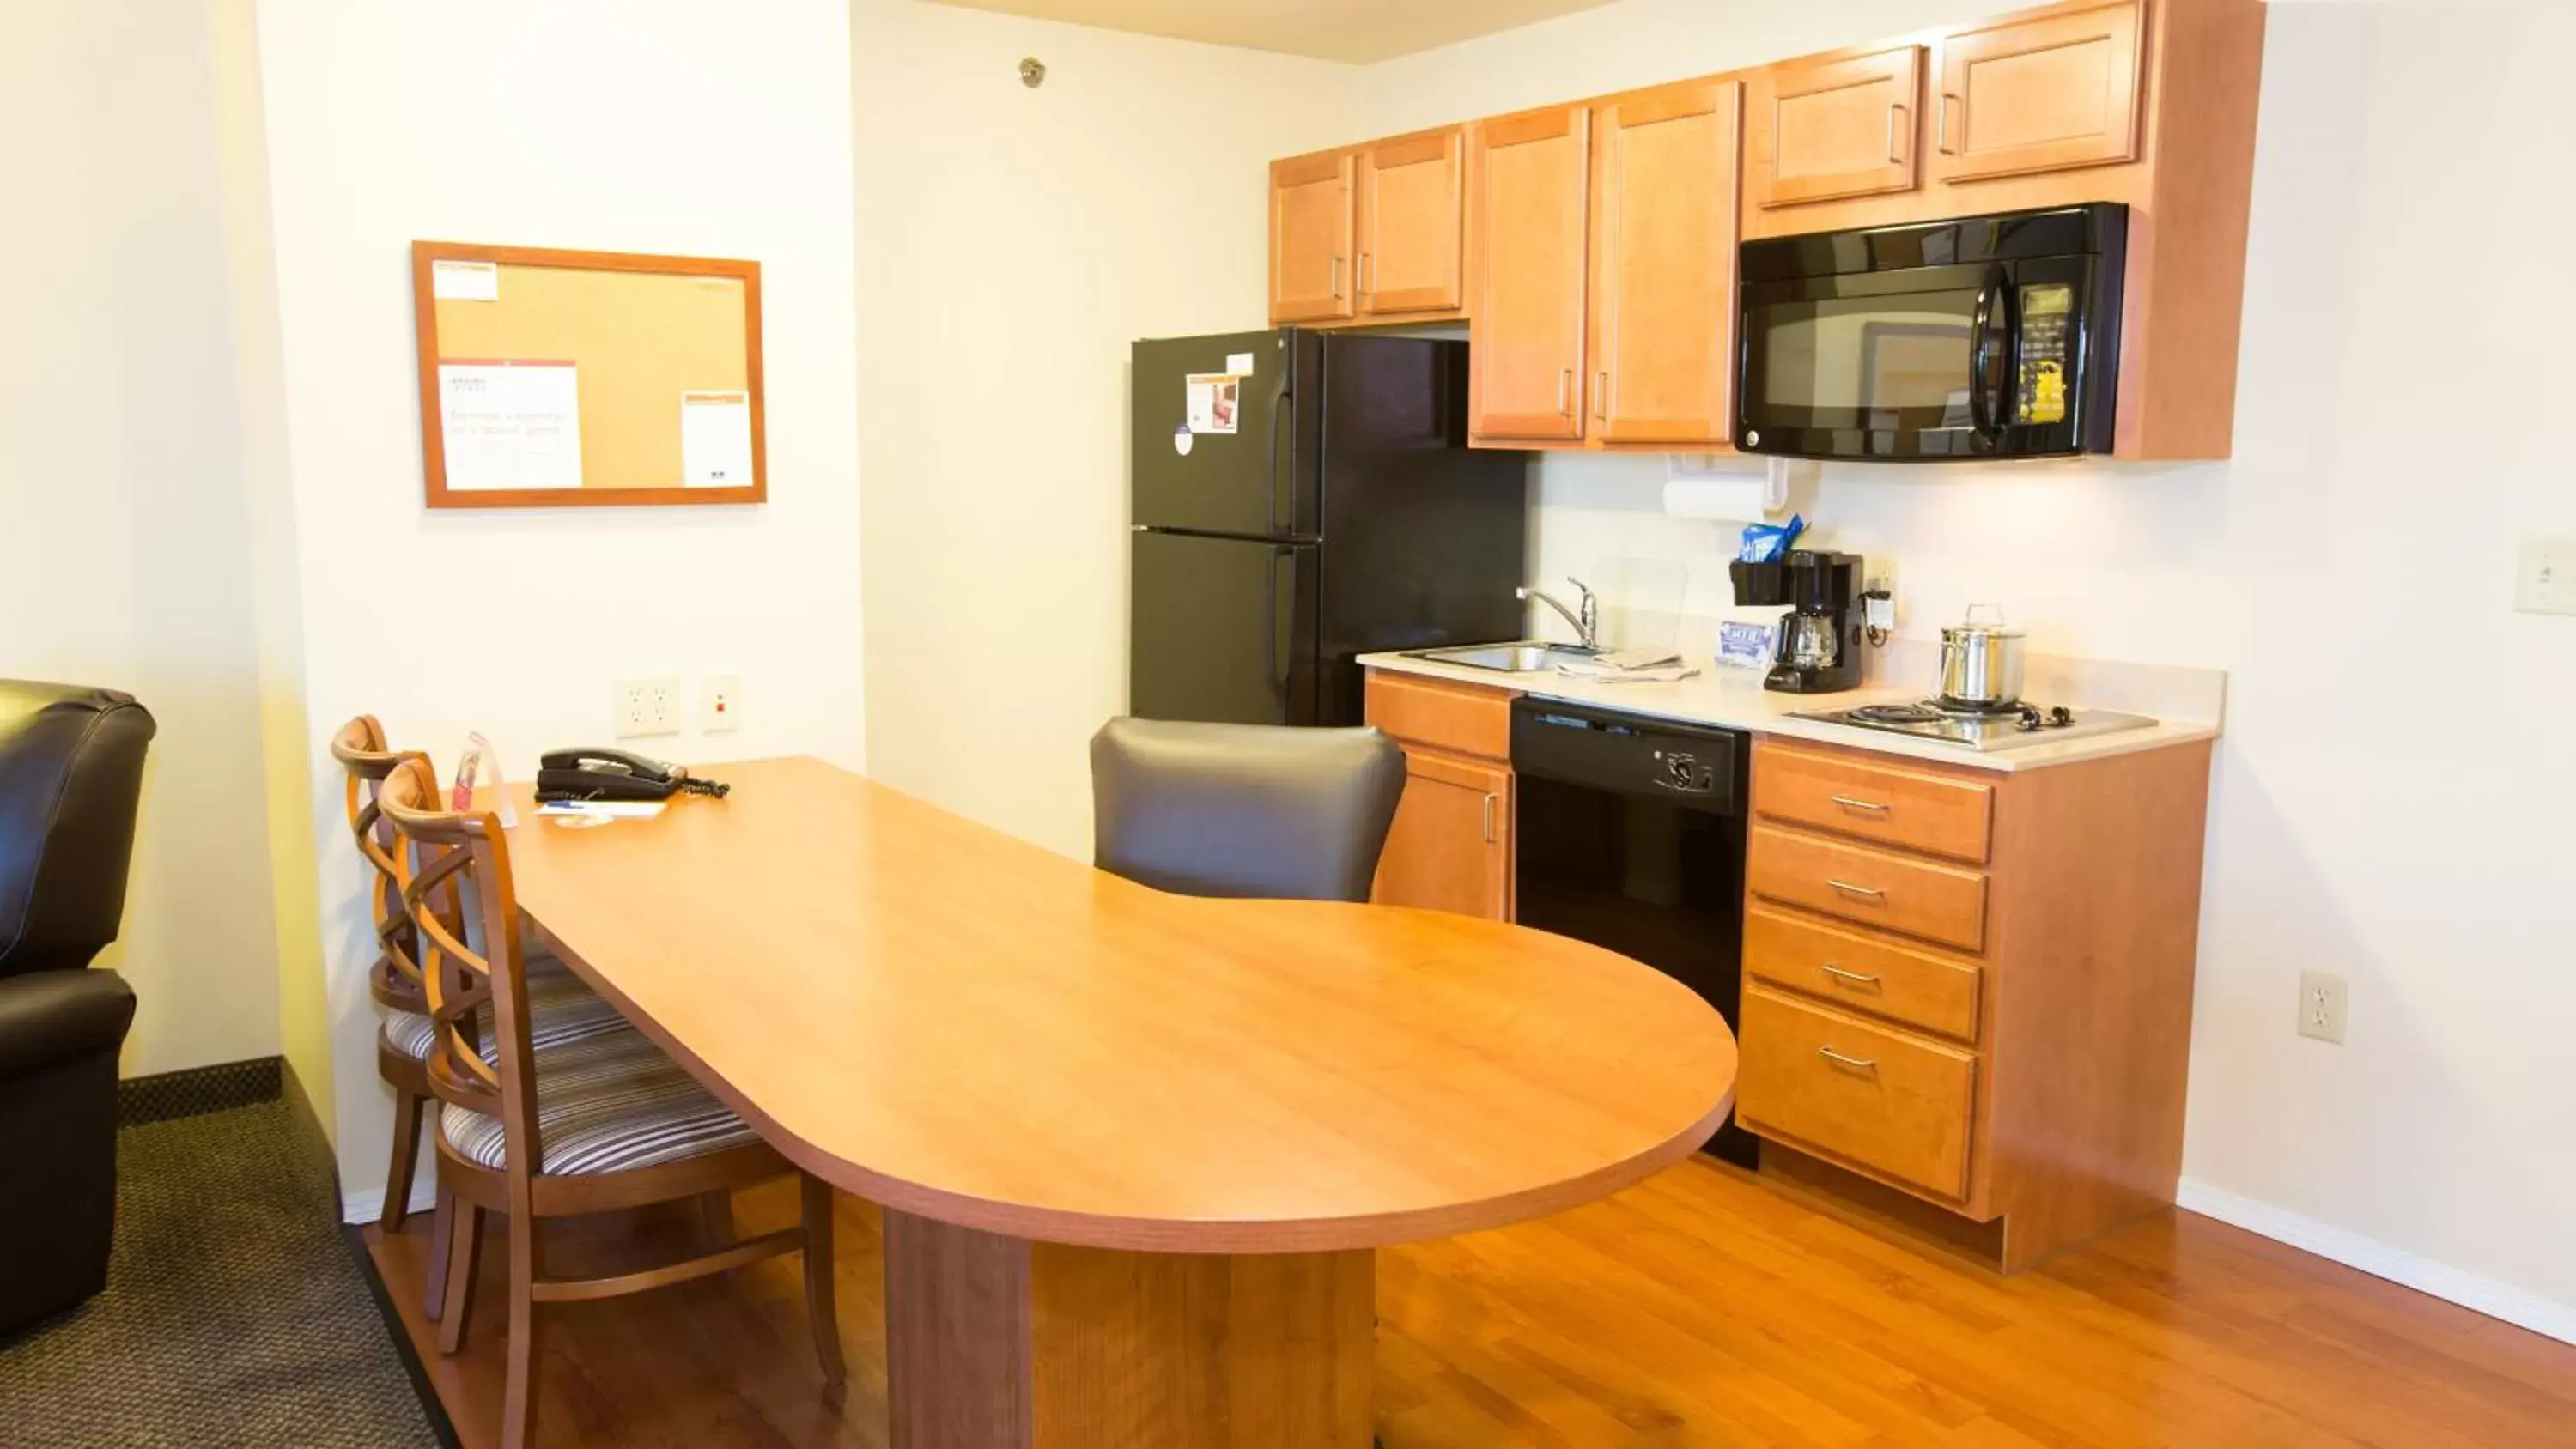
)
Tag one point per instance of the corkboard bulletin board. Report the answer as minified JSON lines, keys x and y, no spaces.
{"x":639,"y":333}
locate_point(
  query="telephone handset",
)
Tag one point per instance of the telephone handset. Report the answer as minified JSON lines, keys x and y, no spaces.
{"x":596,"y":772}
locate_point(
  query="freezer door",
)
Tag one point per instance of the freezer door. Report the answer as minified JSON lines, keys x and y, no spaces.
{"x":1218,"y":449}
{"x":1221,"y":629}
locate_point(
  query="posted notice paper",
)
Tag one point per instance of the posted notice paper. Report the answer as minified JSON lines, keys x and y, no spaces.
{"x":510,"y":424}
{"x":715,"y":439}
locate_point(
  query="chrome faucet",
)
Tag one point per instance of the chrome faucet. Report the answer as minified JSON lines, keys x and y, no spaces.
{"x":1587,"y":623}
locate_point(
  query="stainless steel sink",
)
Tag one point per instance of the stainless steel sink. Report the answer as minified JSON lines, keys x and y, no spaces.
{"x":1506,"y":658}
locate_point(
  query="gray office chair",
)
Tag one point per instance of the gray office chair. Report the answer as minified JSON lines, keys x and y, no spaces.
{"x":1243,"y":810}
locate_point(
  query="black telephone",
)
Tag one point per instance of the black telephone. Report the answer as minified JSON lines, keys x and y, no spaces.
{"x":594,"y":772}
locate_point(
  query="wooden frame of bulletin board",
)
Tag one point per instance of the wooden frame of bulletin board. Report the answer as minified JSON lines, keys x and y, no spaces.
{"x":587,"y":379}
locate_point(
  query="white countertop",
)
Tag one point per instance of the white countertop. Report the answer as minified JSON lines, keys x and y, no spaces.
{"x":1734,"y":699}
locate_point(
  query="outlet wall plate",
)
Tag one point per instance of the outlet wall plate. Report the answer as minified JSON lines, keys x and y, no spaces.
{"x":2322,"y":998}
{"x":645,"y":706}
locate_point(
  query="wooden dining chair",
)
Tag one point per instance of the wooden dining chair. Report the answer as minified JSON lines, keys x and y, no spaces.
{"x":599,"y":1124}
{"x":560,"y":1007}
{"x":1243,"y":810}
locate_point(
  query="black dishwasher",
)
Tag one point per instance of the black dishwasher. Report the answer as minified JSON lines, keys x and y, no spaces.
{"x":1630,"y":835}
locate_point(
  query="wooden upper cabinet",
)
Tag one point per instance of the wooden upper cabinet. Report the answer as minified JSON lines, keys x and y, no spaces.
{"x":1311,"y":228}
{"x":1531,"y":176}
{"x":1663,"y":264}
{"x":1839,"y":125}
{"x":2039,"y":94}
{"x":1412,"y":223}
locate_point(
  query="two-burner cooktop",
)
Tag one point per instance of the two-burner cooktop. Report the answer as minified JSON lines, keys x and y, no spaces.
{"x":1981,"y":727}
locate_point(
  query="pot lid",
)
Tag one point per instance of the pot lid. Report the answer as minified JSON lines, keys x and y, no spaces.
{"x":1972,"y":627}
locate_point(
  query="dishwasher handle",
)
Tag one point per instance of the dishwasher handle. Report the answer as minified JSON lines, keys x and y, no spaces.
{"x":1698,"y":767}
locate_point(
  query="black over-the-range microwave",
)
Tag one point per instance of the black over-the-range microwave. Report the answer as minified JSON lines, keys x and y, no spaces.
{"x":1987,"y":337}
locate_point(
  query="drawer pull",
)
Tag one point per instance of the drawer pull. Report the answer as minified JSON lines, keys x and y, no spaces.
{"x":1847,"y":888}
{"x":1838,"y":1059}
{"x":1855,"y":977}
{"x":1872,"y":806}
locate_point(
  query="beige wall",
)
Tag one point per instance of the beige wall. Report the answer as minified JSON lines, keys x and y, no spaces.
{"x":1011,"y":244}
{"x":628,"y":125}
{"x":128,"y":487}
{"x":2396,"y":761}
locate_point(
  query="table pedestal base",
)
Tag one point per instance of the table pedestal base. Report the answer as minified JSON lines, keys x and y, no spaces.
{"x":997,"y":1343}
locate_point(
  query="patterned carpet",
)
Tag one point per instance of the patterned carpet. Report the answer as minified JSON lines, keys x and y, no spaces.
{"x":235,"y":1313}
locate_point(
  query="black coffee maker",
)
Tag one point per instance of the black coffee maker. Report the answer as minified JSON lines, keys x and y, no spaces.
{"x":1818,"y":651}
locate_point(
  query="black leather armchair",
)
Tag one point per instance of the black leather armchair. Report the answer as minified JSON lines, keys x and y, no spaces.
{"x":1243,"y":810}
{"x":71,"y":768}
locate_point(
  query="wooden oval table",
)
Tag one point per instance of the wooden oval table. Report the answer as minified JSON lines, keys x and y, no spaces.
{"x":1135,"y":1150}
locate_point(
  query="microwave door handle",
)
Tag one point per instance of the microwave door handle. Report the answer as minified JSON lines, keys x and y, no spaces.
{"x":2008,"y":397}
{"x":1980,"y":338}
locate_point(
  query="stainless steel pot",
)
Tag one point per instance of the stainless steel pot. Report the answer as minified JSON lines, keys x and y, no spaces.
{"x":1981,"y":661}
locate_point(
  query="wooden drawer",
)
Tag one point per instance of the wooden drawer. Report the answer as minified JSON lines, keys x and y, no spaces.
{"x":1891,"y":892}
{"x":1463,"y":718}
{"x":1910,"y":809}
{"x":1862,"y":974}
{"x":1893,"y":1103}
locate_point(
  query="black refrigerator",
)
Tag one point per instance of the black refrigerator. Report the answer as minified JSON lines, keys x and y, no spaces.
{"x":1299,"y":499}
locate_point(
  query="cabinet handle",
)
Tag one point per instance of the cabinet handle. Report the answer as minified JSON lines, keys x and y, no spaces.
{"x":1489,"y":819}
{"x":1872,"y":806}
{"x":1337,"y":278}
{"x":1838,"y":1059}
{"x":1601,"y":396}
{"x":1895,"y":149}
{"x":1368,"y":274}
{"x":1854,"y":977}
{"x":1564,"y":393}
{"x":1847,"y":888}
{"x":1946,"y":99}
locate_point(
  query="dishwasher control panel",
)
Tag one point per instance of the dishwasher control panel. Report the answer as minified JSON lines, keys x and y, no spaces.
{"x":1703,"y":768}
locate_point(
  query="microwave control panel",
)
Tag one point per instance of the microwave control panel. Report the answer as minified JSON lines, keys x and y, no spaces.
{"x":2047,"y":312}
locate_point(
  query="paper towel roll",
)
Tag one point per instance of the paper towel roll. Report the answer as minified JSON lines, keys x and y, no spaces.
{"x":1726,"y":497}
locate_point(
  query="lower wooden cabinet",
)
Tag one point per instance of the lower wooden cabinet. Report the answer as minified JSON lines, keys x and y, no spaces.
{"x":1885,"y":1099}
{"x":1451,"y":848}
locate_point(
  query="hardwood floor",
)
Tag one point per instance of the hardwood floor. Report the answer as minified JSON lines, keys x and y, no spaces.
{"x":1700,"y":1308}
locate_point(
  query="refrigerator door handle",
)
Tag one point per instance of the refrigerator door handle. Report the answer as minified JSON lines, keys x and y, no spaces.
{"x":1270,"y":453}
{"x":1276,"y":620}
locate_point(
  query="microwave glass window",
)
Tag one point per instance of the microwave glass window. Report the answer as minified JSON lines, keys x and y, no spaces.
{"x":1871,"y":361}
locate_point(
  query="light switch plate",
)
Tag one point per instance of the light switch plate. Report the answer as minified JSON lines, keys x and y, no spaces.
{"x":2544,"y":578}
{"x":720,"y":703}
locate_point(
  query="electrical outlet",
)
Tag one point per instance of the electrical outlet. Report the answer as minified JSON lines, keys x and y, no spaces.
{"x":648,"y":706}
{"x":720,"y":703}
{"x":2544,"y":578}
{"x":2321,"y":1006}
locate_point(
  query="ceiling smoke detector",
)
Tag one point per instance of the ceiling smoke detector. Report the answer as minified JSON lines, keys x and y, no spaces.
{"x":1032,"y":72}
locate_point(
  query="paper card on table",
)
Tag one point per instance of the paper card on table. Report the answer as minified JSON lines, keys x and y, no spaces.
{"x":715,"y":439}
{"x":510,"y":424}
{"x":465,"y":281}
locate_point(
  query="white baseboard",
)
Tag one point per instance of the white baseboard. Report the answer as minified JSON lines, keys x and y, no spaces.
{"x":366,"y":1204}
{"x":2484,"y":1295}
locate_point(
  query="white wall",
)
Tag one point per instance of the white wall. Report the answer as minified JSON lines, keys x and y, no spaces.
{"x":125,"y":505}
{"x":2396,"y":770}
{"x":625,"y":125}
{"x":1011,"y":244}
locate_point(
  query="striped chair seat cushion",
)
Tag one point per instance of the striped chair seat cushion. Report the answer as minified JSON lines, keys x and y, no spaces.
{"x":607,"y":1103}
{"x":561,"y":1010}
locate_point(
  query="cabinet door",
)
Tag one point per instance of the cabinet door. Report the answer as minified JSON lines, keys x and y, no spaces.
{"x":1663,"y":264}
{"x":2039,"y":95}
{"x":1531,"y":174}
{"x":1310,"y":239}
{"x":1451,"y":848}
{"x":1840,"y":127}
{"x":1412,"y":224}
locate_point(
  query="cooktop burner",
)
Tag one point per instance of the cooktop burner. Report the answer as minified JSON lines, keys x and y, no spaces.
{"x":1981,"y":727}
